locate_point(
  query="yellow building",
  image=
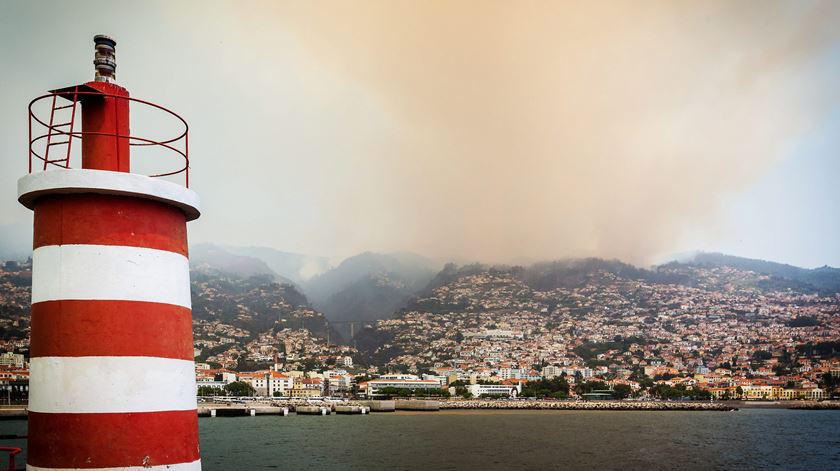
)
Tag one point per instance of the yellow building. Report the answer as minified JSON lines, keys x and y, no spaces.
{"x":757,"y":392}
{"x":307,"y":387}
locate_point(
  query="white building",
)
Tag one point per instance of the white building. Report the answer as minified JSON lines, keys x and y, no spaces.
{"x":511,"y":373}
{"x":551,"y":372}
{"x":585,"y":373}
{"x":206,"y":381}
{"x":495,"y":334}
{"x":11,"y":359}
{"x":440,"y":379}
{"x":494,"y":390}
{"x":399,"y":376}
{"x":374,"y":387}
{"x":268,"y":383}
{"x":338,"y":385}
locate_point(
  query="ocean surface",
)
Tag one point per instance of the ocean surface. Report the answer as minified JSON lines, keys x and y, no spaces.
{"x":527,"y":440}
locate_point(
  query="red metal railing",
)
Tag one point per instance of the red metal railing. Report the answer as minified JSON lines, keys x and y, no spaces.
{"x":13,"y":451}
{"x":54,"y":130}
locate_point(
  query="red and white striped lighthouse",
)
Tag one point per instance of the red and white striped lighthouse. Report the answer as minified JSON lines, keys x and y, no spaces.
{"x":112,"y":382}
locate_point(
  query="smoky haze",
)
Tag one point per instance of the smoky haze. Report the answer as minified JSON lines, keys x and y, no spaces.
{"x":490,"y":131}
{"x":551,"y":129}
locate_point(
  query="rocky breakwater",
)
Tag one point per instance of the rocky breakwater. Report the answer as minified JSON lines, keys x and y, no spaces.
{"x":814,"y":405}
{"x":587,"y":405}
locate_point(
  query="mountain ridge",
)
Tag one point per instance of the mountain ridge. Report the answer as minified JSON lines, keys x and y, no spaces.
{"x":369,"y":286}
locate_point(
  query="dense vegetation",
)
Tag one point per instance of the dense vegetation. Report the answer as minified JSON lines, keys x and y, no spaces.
{"x":557,"y":388}
{"x":803,"y":321}
{"x":391,"y":392}
{"x":589,"y":350}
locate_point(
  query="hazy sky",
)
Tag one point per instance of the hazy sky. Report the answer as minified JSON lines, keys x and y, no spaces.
{"x":498,"y":131}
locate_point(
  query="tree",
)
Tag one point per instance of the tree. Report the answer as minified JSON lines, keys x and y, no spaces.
{"x":621,"y":391}
{"x":829,"y":381}
{"x":239,"y":388}
{"x":463,"y":392}
{"x":391,"y":391}
{"x":589,"y":386}
{"x":400,"y":368}
{"x":556,"y":387}
{"x":364,"y":378}
{"x":663,"y":391}
{"x":703,"y":394}
{"x":207,"y":391}
{"x":803,"y":321}
{"x":310,"y":364}
{"x":762,"y":355}
{"x":740,"y":392}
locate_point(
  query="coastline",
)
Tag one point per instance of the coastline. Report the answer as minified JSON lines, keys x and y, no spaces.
{"x":450,"y":406}
{"x":426,"y":406}
{"x":588,"y":405}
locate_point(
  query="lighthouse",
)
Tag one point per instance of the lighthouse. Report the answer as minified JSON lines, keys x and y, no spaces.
{"x":112,"y":375}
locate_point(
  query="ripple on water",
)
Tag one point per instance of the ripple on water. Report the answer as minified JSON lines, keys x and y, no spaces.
{"x":491,"y":440}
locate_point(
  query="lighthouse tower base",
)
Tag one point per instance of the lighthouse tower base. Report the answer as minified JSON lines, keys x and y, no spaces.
{"x":112,"y":382}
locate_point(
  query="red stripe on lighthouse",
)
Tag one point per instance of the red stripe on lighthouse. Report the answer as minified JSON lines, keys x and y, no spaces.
{"x":109,"y":220}
{"x":92,"y":441}
{"x":111,"y":328}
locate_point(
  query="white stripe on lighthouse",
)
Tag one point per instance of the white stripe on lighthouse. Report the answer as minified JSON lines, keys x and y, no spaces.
{"x":85,"y":180}
{"x":111,"y":384}
{"x":194,"y":466}
{"x":110,"y":272}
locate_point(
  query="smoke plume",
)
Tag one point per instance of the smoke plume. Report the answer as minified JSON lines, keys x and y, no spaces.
{"x":556,"y":129}
{"x":487,"y":130}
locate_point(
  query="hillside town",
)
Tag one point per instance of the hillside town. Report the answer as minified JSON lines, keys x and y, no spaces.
{"x":489,"y":333}
{"x":723,"y":336}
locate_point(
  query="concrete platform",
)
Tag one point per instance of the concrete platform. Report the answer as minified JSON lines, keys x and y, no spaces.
{"x":380,"y":406}
{"x":417,"y":405}
{"x":351,"y":409}
{"x":312,"y":410}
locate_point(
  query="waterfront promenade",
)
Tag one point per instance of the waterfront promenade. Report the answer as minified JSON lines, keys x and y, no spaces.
{"x":284,"y":407}
{"x":277,"y":407}
{"x":266,"y":407}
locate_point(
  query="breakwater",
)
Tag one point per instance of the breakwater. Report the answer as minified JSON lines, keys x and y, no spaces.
{"x":813,"y":405}
{"x":326,"y":407}
{"x":587,"y":405}
{"x":282,"y":408}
